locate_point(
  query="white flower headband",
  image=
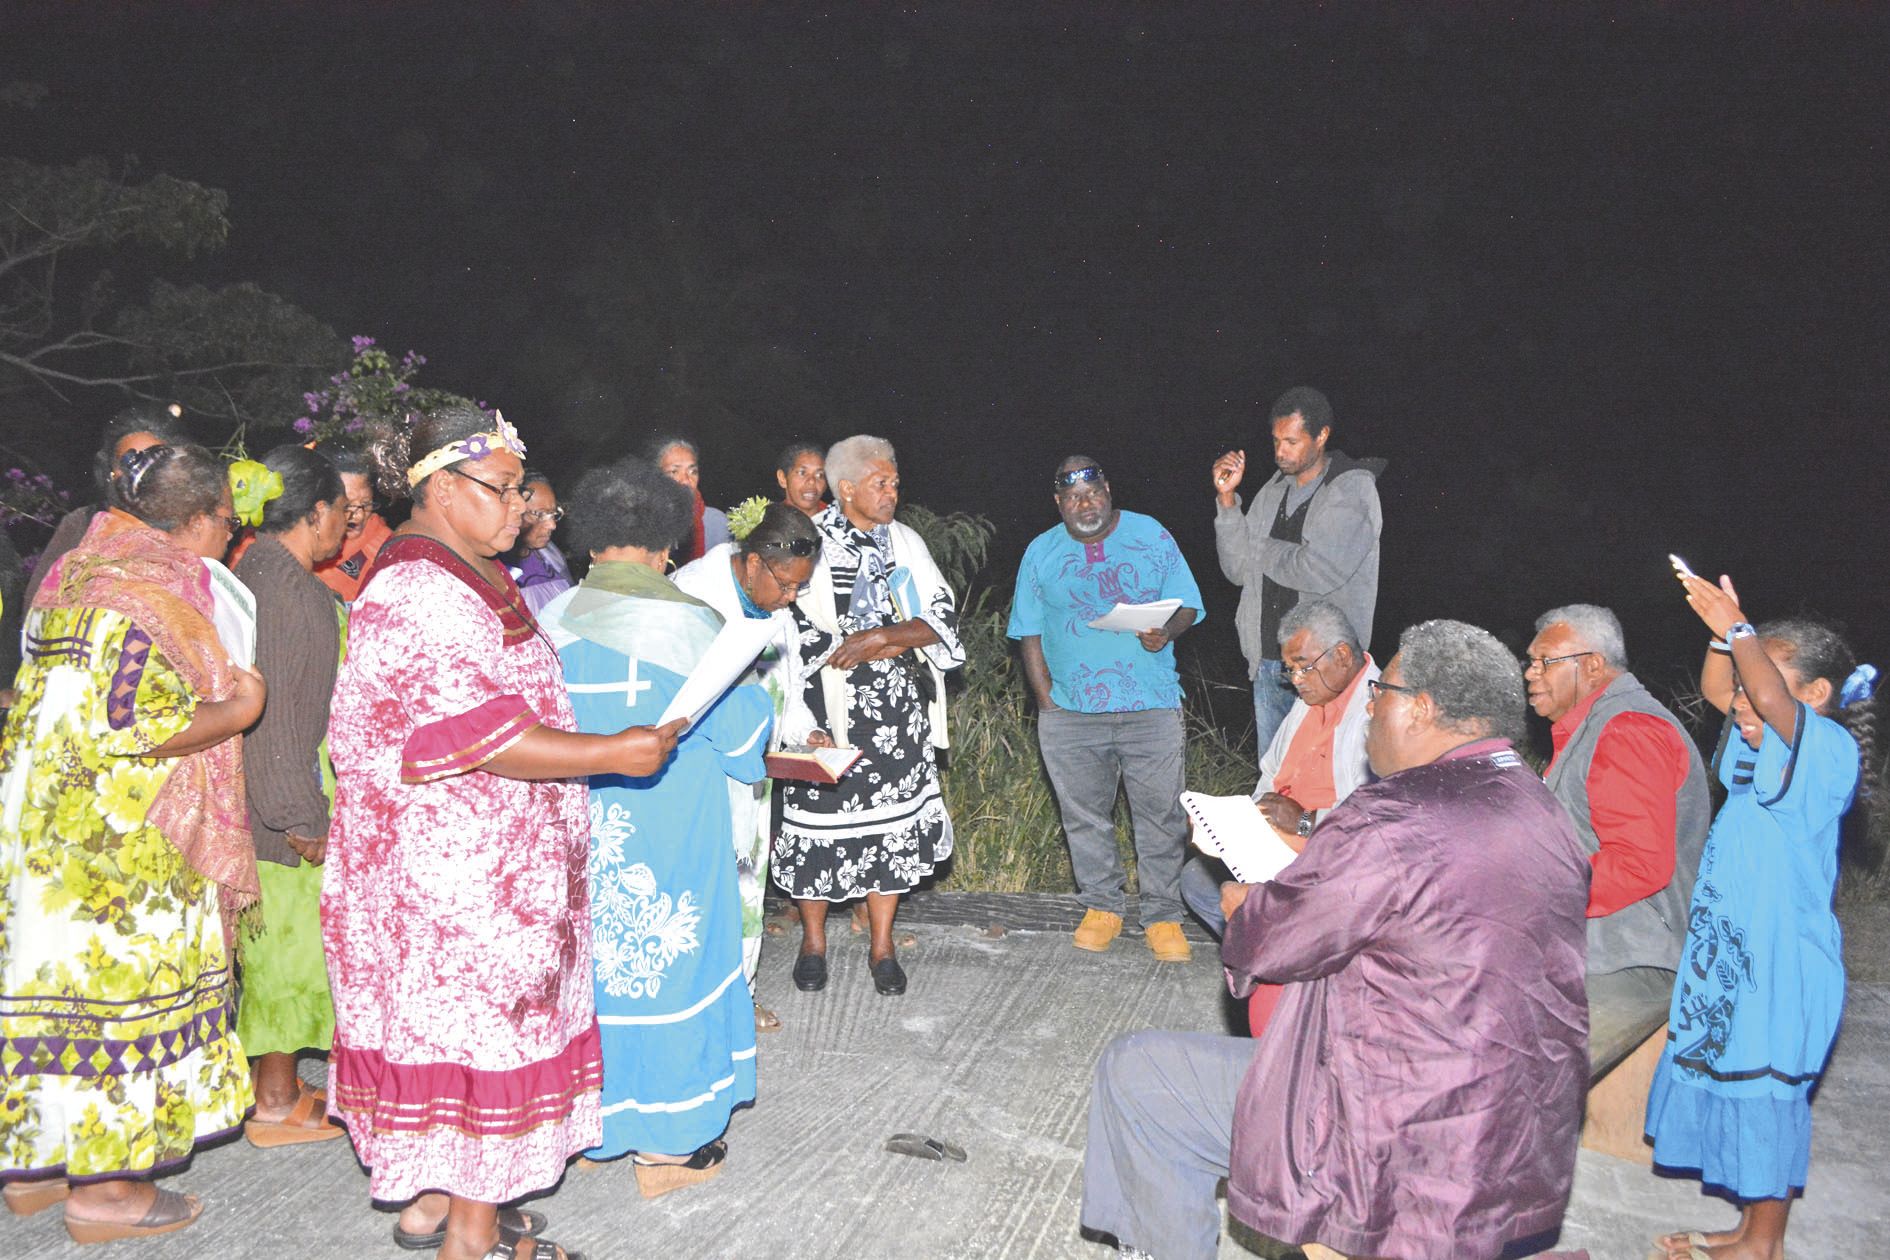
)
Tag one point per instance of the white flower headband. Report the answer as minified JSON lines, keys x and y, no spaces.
{"x":502,"y":437}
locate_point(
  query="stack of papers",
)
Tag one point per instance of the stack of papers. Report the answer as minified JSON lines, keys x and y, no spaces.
{"x":1136,"y":618}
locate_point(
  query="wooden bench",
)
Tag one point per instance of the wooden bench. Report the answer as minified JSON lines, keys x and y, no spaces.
{"x":1615,"y":1119}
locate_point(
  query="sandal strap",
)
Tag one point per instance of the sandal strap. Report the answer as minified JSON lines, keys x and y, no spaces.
{"x":310,"y":1111}
{"x":168,"y":1206}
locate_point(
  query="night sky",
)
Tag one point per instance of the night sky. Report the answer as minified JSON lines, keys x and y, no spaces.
{"x":1600,"y":285}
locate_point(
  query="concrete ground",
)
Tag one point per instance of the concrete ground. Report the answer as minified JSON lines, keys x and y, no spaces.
{"x":991,"y":1049}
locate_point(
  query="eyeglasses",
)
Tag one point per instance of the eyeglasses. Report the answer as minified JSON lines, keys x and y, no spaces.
{"x":553,"y":515}
{"x":789,"y":590}
{"x":358,"y":511}
{"x":1379,"y":687}
{"x":1294,"y":675}
{"x":524,"y":493}
{"x":227,"y":522}
{"x":799,"y":548}
{"x":1538,"y":664}
{"x":1064,"y":480}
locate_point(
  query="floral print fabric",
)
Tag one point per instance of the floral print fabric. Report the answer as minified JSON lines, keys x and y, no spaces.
{"x":883,"y":828}
{"x":455,"y":911}
{"x":116,"y":1038}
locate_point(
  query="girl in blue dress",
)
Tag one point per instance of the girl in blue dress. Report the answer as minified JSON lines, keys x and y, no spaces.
{"x":1761,"y":983}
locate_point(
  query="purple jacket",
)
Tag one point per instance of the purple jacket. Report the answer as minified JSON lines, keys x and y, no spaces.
{"x":1418,"y":1091}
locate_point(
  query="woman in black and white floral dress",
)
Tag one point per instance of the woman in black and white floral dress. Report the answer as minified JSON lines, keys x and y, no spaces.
{"x":881,"y":617}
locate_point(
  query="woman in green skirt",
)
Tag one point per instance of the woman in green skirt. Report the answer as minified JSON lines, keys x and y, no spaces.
{"x":296,"y":501}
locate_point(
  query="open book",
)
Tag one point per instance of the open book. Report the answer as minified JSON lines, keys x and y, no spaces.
{"x":1136,"y":618}
{"x":1233,"y":829}
{"x":811,"y":765}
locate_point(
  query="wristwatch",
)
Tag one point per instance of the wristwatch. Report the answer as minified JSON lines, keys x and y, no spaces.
{"x":1305,"y":825}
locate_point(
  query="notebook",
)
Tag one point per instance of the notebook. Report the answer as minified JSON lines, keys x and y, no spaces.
{"x":1233,"y":829}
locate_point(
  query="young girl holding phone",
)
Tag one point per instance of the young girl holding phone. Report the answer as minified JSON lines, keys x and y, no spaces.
{"x":1761,"y":983}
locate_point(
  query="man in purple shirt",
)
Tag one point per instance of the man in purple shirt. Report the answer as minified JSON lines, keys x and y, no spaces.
{"x":1418,"y":1091}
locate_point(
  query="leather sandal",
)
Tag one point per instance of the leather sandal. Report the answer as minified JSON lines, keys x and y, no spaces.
{"x":307,"y":1121}
{"x":766,"y":1021}
{"x":170,"y":1211}
{"x":24,"y":1198}
{"x":514,"y":1223}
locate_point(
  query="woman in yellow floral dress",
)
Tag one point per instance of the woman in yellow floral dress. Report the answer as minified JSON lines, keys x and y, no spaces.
{"x":124,"y":859}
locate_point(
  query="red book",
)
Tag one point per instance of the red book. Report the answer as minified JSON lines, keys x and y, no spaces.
{"x":812,"y":765}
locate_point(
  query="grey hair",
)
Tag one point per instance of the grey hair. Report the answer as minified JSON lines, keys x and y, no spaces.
{"x":1328,"y":624}
{"x":1472,"y":679}
{"x":847,"y":459}
{"x":1595,"y":628}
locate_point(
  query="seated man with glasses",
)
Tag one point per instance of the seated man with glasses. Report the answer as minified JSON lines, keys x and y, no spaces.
{"x":1419,"y":1091}
{"x":1632,"y":781}
{"x":1108,"y":701}
{"x":537,"y":565}
{"x":1315,"y":759}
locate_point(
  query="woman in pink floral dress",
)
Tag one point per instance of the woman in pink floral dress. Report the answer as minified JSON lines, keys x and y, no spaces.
{"x":455,"y":911}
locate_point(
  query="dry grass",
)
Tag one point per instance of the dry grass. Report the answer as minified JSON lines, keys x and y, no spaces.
{"x":1009,"y":837}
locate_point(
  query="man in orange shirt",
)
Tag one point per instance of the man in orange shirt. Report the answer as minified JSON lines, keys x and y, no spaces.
{"x":366,"y":530}
{"x":1317,"y":756}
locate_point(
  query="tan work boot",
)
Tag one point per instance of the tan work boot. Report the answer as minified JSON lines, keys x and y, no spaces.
{"x":1097,"y":929}
{"x":1167,"y":943}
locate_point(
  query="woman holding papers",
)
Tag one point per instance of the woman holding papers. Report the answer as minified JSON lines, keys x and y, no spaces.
{"x":299,"y":508}
{"x":757,"y":576}
{"x":455,"y":909}
{"x":673,"y":1006}
{"x":881,"y":617}
{"x":125,"y":861}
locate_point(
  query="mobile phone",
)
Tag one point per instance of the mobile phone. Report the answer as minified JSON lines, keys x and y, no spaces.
{"x":1680,"y":566}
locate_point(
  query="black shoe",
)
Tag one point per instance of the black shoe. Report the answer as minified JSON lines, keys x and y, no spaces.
{"x":889,"y":977}
{"x":810,"y":973}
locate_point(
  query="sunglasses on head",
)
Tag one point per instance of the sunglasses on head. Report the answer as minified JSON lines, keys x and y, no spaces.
{"x":798,"y":547}
{"x":1064,"y":480}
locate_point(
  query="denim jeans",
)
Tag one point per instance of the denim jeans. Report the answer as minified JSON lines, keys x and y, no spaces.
{"x":1273,"y":698}
{"x":1087,"y":756}
{"x":1201,"y":881}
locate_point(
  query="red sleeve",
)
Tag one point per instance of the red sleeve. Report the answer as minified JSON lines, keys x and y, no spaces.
{"x":465,"y":741}
{"x":1638,"y":768}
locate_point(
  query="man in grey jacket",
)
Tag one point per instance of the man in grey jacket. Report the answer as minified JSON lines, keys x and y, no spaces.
{"x":1312,"y":533}
{"x":1632,"y":781}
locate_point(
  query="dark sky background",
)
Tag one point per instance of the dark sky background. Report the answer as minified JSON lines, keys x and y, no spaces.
{"x":1601,"y":282}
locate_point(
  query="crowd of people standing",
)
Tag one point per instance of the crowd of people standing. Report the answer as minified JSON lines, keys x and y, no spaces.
{"x":432,"y":819}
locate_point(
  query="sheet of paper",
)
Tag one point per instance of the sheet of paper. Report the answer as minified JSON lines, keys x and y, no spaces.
{"x":1136,"y":618}
{"x":727,"y":659}
{"x":1233,"y":829}
{"x":233,"y":613}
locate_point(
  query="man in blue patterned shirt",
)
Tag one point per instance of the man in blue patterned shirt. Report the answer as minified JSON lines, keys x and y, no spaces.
{"x":1109,"y":701}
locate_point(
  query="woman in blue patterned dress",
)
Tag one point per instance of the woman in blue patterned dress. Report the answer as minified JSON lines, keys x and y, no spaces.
{"x":1761,"y":983}
{"x":673,"y":1006}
